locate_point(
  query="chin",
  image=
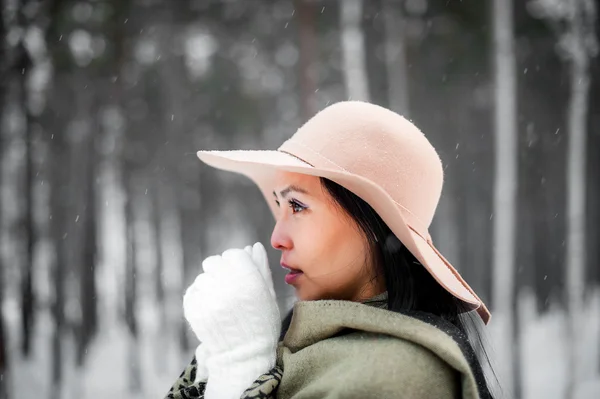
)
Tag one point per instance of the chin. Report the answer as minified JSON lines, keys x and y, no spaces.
{"x":303,"y":295}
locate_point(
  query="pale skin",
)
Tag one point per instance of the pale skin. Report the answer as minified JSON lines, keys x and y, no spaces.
{"x":317,"y":238}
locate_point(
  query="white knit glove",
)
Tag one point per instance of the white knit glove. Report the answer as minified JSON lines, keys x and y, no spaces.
{"x":232,"y":309}
{"x":201,"y":357}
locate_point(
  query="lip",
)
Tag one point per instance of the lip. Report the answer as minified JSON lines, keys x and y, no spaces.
{"x":293,"y":274}
{"x":290,"y":268}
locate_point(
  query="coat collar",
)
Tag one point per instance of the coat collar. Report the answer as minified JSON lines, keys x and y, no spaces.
{"x":314,"y":321}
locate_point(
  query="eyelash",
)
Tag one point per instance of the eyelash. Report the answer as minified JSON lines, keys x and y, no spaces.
{"x":292,"y":203}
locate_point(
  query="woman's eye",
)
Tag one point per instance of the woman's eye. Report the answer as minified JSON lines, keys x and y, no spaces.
{"x":296,"y":207}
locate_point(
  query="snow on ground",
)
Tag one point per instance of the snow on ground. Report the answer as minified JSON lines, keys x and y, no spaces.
{"x":106,"y":373}
{"x":544,"y":350}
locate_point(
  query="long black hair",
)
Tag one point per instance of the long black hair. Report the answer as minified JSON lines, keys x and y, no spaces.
{"x":411,"y":288}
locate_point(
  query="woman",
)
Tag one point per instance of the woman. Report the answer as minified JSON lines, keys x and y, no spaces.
{"x":381,"y":313}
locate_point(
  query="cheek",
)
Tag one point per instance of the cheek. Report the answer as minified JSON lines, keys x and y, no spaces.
{"x":337,"y":266}
{"x":332,"y":246}
{"x":313,"y":243}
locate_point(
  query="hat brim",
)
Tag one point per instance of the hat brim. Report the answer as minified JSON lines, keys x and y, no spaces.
{"x":261,"y":166}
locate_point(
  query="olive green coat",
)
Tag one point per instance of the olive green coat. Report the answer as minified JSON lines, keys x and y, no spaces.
{"x":341,"y":349}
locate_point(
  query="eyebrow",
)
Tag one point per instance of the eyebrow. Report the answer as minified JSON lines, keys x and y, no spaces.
{"x":289,"y":189}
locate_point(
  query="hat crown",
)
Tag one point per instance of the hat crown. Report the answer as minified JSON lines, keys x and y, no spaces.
{"x":375,"y":143}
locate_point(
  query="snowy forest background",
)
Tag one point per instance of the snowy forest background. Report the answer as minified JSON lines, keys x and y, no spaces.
{"x":106,"y":213}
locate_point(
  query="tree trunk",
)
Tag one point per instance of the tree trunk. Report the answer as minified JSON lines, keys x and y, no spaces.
{"x":87,"y":261}
{"x":308,"y":48}
{"x":58,"y":158}
{"x":576,"y":182}
{"x":505,"y":193}
{"x":131,"y":289}
{"x":22,"y":67}
{"x":4,"y":394}
{"x":184,"y":174}
{"x":126,"y":171}
{"x":395,"y":57}
{"x":4,"y":369}
{"x":159,"y":285}
{"x":27,"y":293}
{"x":190,"y":222}
{"x":131,"y":292}
{"x":4,"y":67}
{"x":593,"y":193}
{"x":593,"y":231}
{"x":353,"y":50}
{"x":128,"y":184}
{"x":473,"y":214}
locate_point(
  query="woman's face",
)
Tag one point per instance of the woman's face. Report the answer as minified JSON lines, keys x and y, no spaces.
{"x":320,"y":244}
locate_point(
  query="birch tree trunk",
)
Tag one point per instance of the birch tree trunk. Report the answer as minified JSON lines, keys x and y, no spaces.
{"x":580,"y":20}
{"x":505,"y":194}
{"x":576,"y":176}
{"x":353,"y":50}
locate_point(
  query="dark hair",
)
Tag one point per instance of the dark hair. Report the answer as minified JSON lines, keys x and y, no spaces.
{"x":410,"y":287}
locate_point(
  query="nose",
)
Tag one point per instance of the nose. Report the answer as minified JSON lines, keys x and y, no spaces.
{"x":280,"y":238}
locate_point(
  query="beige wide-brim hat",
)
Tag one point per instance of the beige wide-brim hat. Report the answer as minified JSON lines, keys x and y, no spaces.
{"x":379,"y":156}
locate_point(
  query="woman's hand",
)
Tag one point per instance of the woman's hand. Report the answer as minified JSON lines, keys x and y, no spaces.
{"x":232,"y":309}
